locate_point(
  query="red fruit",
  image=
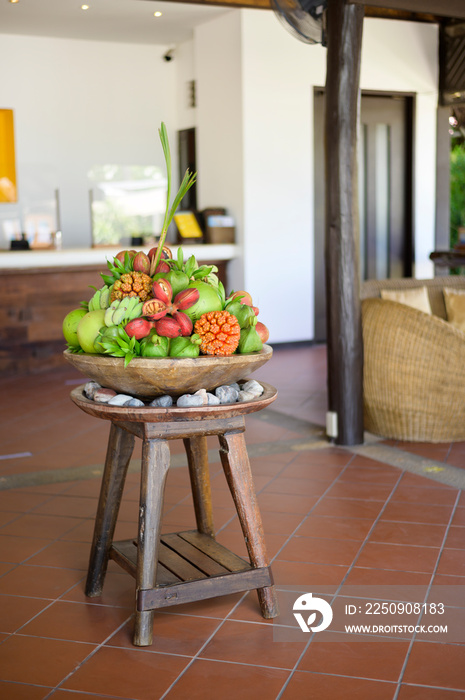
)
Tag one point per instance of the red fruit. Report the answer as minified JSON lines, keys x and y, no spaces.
{"x":162,"y":267}
{"x":138,"y":328}
{"x":246,"y":298}
{"x":168,"y":327}
{"x":262,"y":331}
{"x":187,"y":298}
{"x":141,"y":263}
{"x":154,"y":309}
{"x":184,"y":322}
{"x":162,"y":290}
{"x":166,"y":253}
{"x":122,"y":254}
{"x":256,"y":310}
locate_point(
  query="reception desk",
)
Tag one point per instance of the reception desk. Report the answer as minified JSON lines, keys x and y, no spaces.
{"x":38,"y":288}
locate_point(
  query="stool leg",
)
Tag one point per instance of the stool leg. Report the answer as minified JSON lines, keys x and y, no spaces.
{"x":119,"y":451}
{"x":197,"y":459}
{"x":236,"y":465}
{"x":155,"y":464}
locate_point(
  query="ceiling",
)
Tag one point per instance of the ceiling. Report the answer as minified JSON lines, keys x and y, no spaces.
{"x":126,"y":21}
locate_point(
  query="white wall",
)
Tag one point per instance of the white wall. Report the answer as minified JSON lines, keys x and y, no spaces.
{"x":257,"y":138}
{"x":220,"y":117}
{"x":81,"y":103}
{"x":184,"y":62}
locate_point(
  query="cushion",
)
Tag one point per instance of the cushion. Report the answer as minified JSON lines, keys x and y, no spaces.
{"x":454,"y":300}
{"x":417,"y":297}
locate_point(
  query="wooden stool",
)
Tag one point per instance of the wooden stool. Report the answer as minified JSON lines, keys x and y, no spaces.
{"x":185,"y":566}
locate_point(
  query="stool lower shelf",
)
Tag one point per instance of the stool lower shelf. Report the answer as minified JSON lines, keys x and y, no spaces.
{"x":191,"y":566}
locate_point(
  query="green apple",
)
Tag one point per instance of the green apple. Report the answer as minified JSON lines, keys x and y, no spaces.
{"x":208,"y":300}
{"x":70,"y":324}
{"x":88,"y":330}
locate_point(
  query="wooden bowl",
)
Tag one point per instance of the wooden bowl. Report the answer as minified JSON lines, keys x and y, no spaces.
{"x":150,"y":377}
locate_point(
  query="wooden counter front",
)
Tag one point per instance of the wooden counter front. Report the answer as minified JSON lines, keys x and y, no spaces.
{"x":33,"y":304}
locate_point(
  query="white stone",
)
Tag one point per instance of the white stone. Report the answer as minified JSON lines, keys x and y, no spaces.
{"x":119,"y":400}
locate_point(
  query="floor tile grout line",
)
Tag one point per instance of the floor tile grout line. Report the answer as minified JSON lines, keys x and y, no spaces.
{"x":307,"y":515}
{"x":89,"y":656}
{"x":225,"y":619}
{"x":196,"y":656}
{"x":409,"y":650}
{"x":434,"y":687}
{"x":334,"y":596}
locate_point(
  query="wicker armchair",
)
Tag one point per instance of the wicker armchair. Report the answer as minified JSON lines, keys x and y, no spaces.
{"x":414,"y":365}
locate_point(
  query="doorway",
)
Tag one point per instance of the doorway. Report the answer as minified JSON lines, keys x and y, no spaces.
{"x":385,"y":192}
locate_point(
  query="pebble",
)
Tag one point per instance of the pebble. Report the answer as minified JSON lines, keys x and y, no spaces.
{"x":253,"y":387}
{"x":212,"y":399}
{"x":90,"y":388}
{"x":226,"y":394}
{"x":119,"y":400}
{"x":104,"y":395}
{"x":164,"y":401}
{"x":189,"y":400}
{"x":246,"y":396}
{"x":134,"y":403}
{"x":235,"y":386}
{"x":203,"y":394}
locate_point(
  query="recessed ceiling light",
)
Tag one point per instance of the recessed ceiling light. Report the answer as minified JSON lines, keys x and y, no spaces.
{"x":13,"y":2}
{"x":157,"y":14}
{"x":84,"y":7}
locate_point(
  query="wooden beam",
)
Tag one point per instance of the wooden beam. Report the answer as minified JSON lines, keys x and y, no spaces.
{"x":343,"y":308}
{"x":382,"y":11}
{"x":440,"y":8}
{"x":256,"y":4}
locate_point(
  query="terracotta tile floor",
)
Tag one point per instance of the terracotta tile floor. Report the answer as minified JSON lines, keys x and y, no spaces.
{"x":332,"y":516}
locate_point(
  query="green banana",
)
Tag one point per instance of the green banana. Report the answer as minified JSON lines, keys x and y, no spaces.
{"x":122,"y":311}
{"x":94,"y":302}
{"x":118,"y":315}
{"x":104,"y":297}
{"x":108,"y":318}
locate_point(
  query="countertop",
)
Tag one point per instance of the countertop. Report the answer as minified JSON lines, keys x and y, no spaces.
{"x":73,"y":257}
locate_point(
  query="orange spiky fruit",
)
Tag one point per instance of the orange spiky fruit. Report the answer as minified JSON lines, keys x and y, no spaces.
{"x":220,"y":333}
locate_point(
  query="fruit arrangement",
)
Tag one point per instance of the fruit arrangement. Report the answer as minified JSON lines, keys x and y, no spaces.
{"x":182,"y":311}
{"x":152,"y":305}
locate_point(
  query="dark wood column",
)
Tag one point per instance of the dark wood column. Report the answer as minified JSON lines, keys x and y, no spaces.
{"x":344,"y":326}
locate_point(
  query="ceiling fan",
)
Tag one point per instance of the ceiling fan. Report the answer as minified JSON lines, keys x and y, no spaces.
{"x":304,"y":19}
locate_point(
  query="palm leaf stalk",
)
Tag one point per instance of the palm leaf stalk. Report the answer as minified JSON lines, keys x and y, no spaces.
{"x":187,"y":182}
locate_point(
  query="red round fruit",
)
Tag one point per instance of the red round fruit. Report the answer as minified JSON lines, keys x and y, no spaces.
{"x":262,"y":331}
{"x":246,"y":298}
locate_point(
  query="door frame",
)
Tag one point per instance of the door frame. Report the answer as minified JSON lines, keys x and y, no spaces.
{"x":319,"y":201}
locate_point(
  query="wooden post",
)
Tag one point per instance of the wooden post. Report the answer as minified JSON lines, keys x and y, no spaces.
{"x":343,"y":308}
{"x":119,"y":452}
{"x":154,"y":469}
{"x":197,"y":459}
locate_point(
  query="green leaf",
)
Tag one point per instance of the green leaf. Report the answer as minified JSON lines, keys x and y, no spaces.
{"x":128,"y":359}
{"x":221,"y":292}
{"x":107,"y":279}
{"x":122,"y":334}
{"x":187,"y":182}
{"x":180,"y":258}
{"x":202,"y":271}
{"x":191,"y":264}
